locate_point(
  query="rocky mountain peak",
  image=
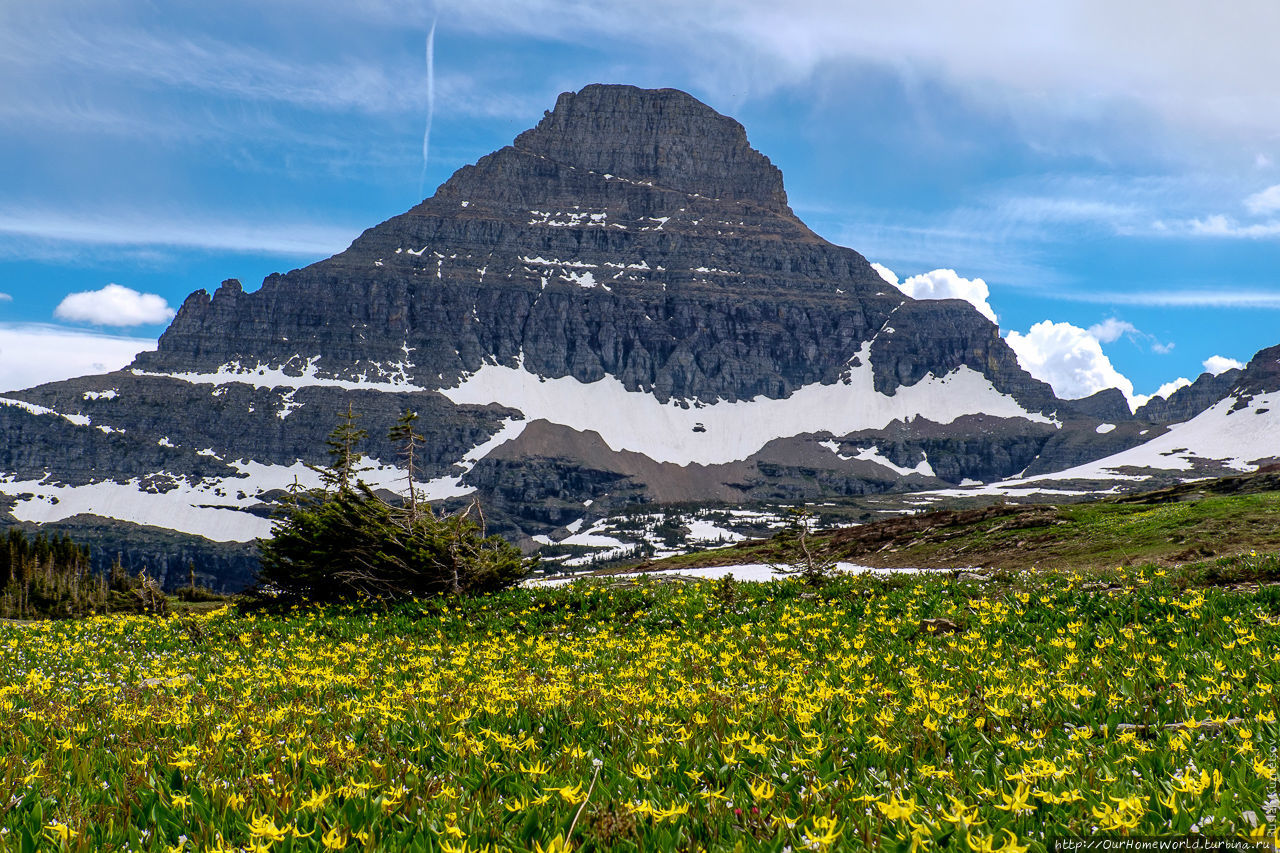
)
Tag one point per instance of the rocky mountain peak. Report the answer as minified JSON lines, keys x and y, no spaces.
{"x":664,"y":136}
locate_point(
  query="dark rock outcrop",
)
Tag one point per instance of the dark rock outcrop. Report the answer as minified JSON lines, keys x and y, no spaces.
{"x":632,"y":234}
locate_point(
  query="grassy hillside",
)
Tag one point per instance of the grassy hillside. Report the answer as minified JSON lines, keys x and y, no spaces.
{"x":1233,"y":515}
{"x":880,"y":713}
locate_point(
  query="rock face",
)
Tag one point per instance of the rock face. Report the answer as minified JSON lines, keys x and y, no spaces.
{"x":632,"y":234}
{"x":618,"y":308}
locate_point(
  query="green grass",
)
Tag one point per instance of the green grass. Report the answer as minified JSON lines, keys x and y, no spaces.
{"x":1170,"y":527}
{"x":874,"y":713}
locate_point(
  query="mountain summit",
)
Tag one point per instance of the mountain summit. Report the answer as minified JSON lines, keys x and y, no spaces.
{"x":618,"y":309}
{"x":633,"y":234}
{"x":661,"y":136}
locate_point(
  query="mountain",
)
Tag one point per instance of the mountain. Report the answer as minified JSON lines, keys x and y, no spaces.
{"x":619,"y":308}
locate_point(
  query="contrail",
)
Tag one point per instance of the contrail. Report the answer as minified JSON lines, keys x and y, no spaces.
{"x":431,"y":103}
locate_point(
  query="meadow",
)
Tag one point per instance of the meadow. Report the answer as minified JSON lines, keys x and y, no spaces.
{"x":884,"y":713}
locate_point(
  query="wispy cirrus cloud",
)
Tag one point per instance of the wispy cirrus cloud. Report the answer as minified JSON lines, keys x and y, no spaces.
{"x":1193,"y":64}
{"x":1264,"y":201}
{"x":34,"y":353}
{"x":172,"y":60}
{"x":1219,"y":225}
{"x":1113,"y":329}
{"x":298,"y":239}
{"x":152,"y":61}
{"x":1200,"y":298}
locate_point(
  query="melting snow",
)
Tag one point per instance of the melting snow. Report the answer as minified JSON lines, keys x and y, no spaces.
{"x":1103,"y":429}
{"x":77,"y":419}
{"x":872,"y":454}
{"x":636,"y":420}
{"x":748,"y":572}
{"x":186,"y":508}
{"x":572,"y":219}
{"x":1237,"y":439}
{"x":393,"y":377}
{"x":582,"y":279}
{"x":110,"y":394}
{"x":702,"y":531}
{"x":288,"y":404}
{"x":214,"y":507}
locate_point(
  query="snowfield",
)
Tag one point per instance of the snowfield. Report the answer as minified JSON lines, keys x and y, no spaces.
{"x":709,"y":434}
{"x":751,"y":572}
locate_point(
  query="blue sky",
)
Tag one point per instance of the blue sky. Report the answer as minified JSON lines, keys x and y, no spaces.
{"x":1109,"y":171}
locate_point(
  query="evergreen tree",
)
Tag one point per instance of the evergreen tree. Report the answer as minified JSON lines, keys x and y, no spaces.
{"x":409,"y":440}
{"x":345,"y":542}
{"x":48,"y":576}
{"x":344,"y":467}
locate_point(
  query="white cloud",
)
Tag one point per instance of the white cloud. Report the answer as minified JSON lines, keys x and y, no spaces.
{"x":886,"y":273}
{"x":1218,"y":225}
{"x":943,"y":284}
{"x":32,"y":354}
{"x":1168,"y":388}
{"x":1216,"y":364}
{"x":4,"y":297}
{"x":1206,"y":65}
{"x":196,"y":63}
{"x":1112,"y":329}
{"x":280,"y":238}
{"x":1070,"y":359}
{"x":114,"y":305}
{"x":1180,"y":298}
{"x":1265,"y":201}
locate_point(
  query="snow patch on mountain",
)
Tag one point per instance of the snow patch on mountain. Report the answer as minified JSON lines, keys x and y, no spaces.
{"x":872,"y":454}
{"x":215,"y":508}
{"x":1231,"y":433}
{"x":77,"y":419}
{"x":391,"y":377}
{"x":191,"y":509}
{"x":1234,"y":434}
{"x":684,"y":432}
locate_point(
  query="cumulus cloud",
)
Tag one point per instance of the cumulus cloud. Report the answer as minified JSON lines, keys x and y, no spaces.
{"x":886,"y":273}
{"x":1070,"y":359}
{"x":32,"y":354}
{"x":114,"y":305}
{"x":1216,"y":364}
{"x":943,"y":284}
{"x":1168,"y":388}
